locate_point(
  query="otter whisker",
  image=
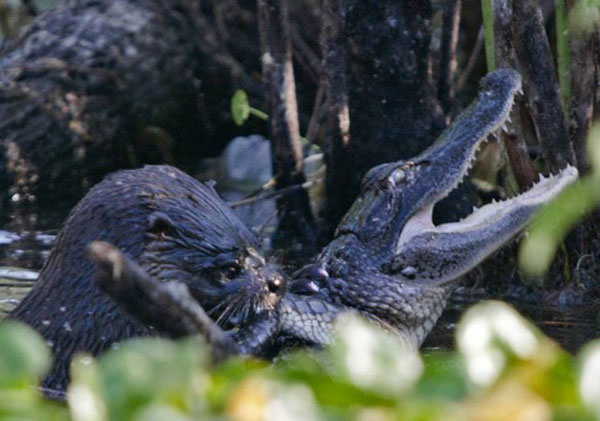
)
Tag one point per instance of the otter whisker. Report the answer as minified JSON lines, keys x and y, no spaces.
{"x":219,"y":306}
{"x":230,"y":310}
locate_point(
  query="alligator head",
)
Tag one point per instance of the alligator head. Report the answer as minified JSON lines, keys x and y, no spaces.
{"x":388,"y":260}
{"x":393,"y":214}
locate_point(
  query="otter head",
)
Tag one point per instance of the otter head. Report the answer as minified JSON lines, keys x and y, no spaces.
{"x":196,"y":239}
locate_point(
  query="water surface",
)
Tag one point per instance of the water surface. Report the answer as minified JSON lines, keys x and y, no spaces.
{"x":22,"y":254}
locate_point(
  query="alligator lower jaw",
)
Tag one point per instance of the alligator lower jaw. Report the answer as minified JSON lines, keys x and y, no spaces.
{"x":440,"y":254}
{"x":542,"y":192}
{"x":493,"y":213}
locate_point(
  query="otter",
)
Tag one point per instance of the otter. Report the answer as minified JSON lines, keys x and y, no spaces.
{"x":176,"y":228}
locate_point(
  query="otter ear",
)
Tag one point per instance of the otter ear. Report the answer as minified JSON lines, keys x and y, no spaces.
{"x":160,"y":223}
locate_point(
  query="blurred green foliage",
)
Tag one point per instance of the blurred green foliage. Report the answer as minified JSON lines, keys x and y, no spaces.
{"x":554,"y":221}
{"x":504,"y":369}
{"x":584,"y":17}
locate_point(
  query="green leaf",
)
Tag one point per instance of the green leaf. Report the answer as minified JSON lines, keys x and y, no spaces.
{"x":240,"y":108}
{"x":24,"y":356}
{"x":552,"y":223}
{"x":593,"y":148}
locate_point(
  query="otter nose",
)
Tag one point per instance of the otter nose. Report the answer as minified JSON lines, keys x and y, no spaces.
{"x":275,"y":285}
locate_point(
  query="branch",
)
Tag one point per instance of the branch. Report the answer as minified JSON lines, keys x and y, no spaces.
{"x":450,"y":26}
{"x":278,"y":74}
{"x":168,"y":307}
{"x":540,"y":83}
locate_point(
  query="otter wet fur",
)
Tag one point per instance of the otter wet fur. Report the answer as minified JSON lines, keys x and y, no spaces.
{"x":176,"y":228}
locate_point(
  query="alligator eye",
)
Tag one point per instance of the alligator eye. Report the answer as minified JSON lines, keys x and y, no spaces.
{"x":397,"y":176}
{"x":409,"y":272}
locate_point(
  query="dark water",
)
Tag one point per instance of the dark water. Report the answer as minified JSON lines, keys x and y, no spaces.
{"x":571,"y":327}
{"x":25,"y":244}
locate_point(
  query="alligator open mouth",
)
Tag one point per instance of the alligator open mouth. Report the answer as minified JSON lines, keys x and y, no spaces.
{"x":453,"y":154}
{"x":451,"y":249}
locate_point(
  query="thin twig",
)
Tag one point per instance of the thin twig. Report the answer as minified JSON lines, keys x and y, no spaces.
{"x":472,"y":61}
{"x":451,"y":23}
{"x":317,"y":112}
{"x":276,"y":194}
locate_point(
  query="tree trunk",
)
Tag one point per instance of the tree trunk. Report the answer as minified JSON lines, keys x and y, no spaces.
{"x":393,"y":110}
{"x":540,"y":83}
{"x":278,"y":74}
{"x":337,"y":139}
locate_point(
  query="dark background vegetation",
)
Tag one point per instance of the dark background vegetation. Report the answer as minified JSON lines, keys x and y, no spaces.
{"x":88,"y":87}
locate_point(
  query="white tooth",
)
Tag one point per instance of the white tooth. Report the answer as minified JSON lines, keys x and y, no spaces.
{"x":509,"y":119}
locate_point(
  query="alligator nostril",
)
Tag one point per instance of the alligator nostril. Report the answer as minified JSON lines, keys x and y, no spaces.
{"x":274,"y":285}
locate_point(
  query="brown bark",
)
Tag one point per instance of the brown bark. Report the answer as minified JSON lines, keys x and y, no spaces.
{"x":540,"y":83}
{"x":278,"y":74}
{"x":520,"y":134}
{"x":337,"y":138}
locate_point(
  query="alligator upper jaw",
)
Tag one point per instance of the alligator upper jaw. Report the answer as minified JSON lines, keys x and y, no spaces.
{"x":449,"y":159}
{"x":393,"y":193}
{"x":437,"y":254}
{"x":497,"y":213}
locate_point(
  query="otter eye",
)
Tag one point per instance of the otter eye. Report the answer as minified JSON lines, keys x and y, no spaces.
{"x":275,"y":285}
{"x":233,"y":271}
{"x":159,"y":223}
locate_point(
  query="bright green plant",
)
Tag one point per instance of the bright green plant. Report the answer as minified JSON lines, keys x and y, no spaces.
{"x":241,"y":109}
{"x":487,"y":11}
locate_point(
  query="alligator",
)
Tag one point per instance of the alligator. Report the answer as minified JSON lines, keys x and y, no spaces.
{"x":388,"y":261}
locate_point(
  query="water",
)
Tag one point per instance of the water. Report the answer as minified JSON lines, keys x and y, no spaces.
{"x":23,"y":252}
{"x":21,"y":258}
{"x":570,"y":327}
